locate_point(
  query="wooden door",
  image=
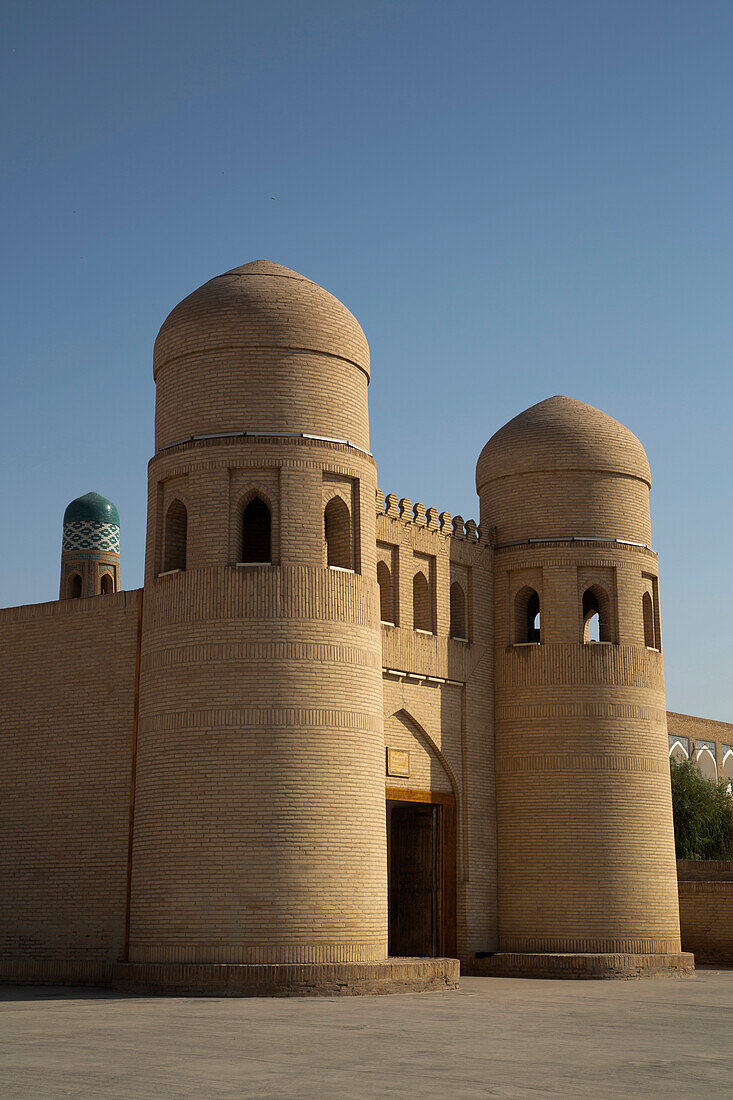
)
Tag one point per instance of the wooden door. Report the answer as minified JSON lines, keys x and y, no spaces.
{"x":414,"y":842}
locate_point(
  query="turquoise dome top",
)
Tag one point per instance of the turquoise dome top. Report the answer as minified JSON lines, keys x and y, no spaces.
{"x":92,"y":507}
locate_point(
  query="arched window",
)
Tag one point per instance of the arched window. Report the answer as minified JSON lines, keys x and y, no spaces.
{"x":647,"y":608}
{"x":107,"y":586}
{"x":176,"y":523}
{"x":421,"y":611}
{"x":678,"y":753}
{"x":256,"y":528}
{"x":74,"y":588}
{"x":337,"y":533}
{"x":458,"y":627}
{"x":526,"y":616}
{"x":386,"y":600}
{"x":728,"y":769}
{"x":706,"y":764}
{"x":596,"y":615}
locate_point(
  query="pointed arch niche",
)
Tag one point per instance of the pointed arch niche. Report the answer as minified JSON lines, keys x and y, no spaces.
{"x":422,"y":843}
{"x":429,"y":770}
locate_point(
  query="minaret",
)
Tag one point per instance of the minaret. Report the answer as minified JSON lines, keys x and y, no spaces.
{"x":259,"y":822}
{"x":586,"y":875}
{"x":90,"y":550}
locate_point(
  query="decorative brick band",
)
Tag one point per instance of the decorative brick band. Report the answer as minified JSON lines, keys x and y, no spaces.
{"x":259,"y":717}
{"x":559,"y":945}
{"x":519,"y":712}
{"x":572,"y":762}
{"x":325,"y":653}
{"x":191,"y":952}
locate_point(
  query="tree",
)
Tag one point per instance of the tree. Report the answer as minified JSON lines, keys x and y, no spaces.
{"x":703,"y":814}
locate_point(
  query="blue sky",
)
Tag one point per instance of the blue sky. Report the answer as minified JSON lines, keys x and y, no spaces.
{"x":515,"y":199}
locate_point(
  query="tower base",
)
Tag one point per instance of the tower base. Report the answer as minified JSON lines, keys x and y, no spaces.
{"x":393,"y":975}
{"x":509,"y":964}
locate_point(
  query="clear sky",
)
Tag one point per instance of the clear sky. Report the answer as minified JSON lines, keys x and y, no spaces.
{"x":516,"y":199}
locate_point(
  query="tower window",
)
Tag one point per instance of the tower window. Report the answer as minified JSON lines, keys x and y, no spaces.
{"x":256,"y":533}
{"x":527,"y":616}
{"x":386,"y":598}
{"x":176,"y":525}
{"x":337,"y":533}
{"x":458,"y":628}
{"x":597,"y":625}
{"x":75,"y":586}
{"x":422,"y":616}
{"x":107,"y":586}
{"x":647,"y":608}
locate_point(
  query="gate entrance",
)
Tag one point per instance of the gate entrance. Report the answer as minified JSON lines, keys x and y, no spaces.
{"x":421,"y":861}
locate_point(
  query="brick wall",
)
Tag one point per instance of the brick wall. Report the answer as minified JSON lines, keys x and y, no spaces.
{"x":706,"y":909}
{"x":67,"y":684}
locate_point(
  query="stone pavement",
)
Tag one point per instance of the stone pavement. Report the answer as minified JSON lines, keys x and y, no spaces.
{"x":496,"y":1037}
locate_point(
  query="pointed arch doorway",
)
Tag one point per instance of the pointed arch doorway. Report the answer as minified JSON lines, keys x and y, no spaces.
{"x":421,"y":861}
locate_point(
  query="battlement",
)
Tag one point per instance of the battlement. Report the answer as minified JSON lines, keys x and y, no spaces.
{"x":429,"y":518}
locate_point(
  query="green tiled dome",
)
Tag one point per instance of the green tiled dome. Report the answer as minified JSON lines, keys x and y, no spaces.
{"x":92,"y":507}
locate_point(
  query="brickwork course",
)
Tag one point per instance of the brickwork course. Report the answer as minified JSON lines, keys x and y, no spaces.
{"x":197,"y":773}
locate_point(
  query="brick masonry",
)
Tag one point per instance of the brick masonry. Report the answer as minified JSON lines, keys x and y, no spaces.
{"x":195,"y":782}
{"x":706,"y":909}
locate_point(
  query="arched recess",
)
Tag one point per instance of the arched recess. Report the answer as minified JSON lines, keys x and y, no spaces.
{"x":728,"y":769}
{"x":107,"y":585}
{"x":458,"y":625}
{"x":337,"y":533}
{"x":418,"y":730}
{"x":647,"y":608}
{"x":386,"y":597}
{"x":527,"y":616}
{"x":597,"y":626}
{"x":74,"y":586}
{"x":678,"y":752}
{"x":706,"y":764}
{"x":176,"y":533}
{"x":422,"y":875}
{"x":422,"y":613}
{"x":256,"y":533}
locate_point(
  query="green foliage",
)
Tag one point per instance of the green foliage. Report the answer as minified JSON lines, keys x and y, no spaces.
{"x":703,"y":814}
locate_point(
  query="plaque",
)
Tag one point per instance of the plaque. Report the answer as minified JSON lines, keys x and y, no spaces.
{"x":398,"y":763}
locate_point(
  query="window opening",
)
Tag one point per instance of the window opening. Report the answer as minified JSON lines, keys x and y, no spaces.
{"x":256,"y":533}
{"x":648,"y":613}
{"x":458,"y":628}
{"x":527,"y":628}
{"x":386,"y":602}
{"x":421,"y":612}
{"x":337,"y":533}
{"x":176,"y":528}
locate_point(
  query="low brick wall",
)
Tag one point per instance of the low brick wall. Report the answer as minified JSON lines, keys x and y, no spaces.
{"x":706,"y":909}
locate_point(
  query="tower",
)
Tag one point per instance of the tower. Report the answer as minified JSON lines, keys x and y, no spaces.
{"x":586,"y":846}
{"x":259,"y":844}
{"x":90,"y":549}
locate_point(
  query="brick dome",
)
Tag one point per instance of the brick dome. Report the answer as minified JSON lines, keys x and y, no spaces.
{"x":261,"y":304}
{"x":261,"y":349}
{"x":562,"y":434}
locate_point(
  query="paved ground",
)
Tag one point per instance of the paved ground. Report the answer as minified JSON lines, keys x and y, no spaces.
{"x":494,"y":1037}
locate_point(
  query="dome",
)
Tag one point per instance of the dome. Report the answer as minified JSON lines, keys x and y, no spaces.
{"x":261,"y":305}
{"x":93,"y":508}
{"x":562,"y":434}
